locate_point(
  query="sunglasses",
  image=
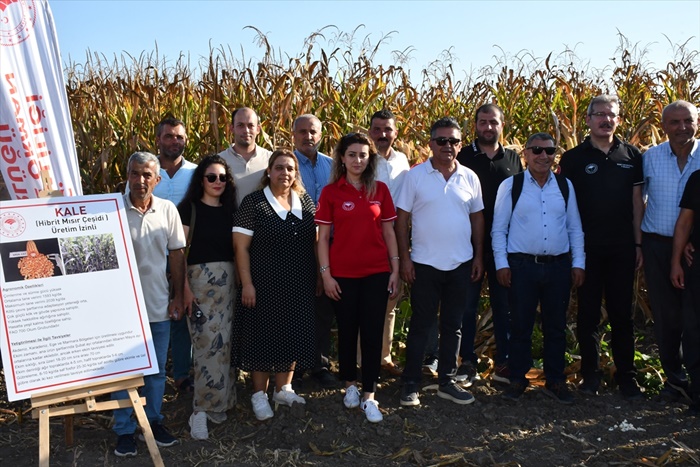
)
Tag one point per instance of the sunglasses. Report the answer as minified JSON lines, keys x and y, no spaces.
{"x":441,"y":141}
{"x":537,"y":150}
{"x":211,"y":178}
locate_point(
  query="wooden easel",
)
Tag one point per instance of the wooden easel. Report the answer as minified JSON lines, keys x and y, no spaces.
{"x":86,"y":393}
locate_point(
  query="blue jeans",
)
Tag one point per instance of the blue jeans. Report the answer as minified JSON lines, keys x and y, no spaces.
{"x":432,"y":290}
{"x":548,"y":285}
{"x":153,"y":388}
{"x":181,"y":349}
{"x":500,"y":315}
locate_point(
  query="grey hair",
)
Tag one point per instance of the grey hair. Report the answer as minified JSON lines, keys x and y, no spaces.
{"x":143,"y":158}
{"x":679,"y":104}
{"x":311,"y":117}
{"x":603,"y":99}
{"x":541,"y":136}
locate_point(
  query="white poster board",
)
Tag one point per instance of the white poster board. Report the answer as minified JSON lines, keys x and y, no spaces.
{"x":72,"y":307}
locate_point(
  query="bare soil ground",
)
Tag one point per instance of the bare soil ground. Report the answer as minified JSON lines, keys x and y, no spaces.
{"x":536,"y":431}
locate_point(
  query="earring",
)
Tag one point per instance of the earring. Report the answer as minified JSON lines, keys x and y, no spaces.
{"x":268,"y":175}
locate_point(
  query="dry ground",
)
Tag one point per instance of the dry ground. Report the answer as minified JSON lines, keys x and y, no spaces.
{"x":537,"y":431}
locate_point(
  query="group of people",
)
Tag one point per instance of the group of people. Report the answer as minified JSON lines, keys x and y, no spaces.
{"x":265,"y":249}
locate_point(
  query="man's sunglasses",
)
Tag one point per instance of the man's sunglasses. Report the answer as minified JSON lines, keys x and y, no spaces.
{"x":537,"y":150}
{"x":211,"y":178}
{"x":441,"y":141}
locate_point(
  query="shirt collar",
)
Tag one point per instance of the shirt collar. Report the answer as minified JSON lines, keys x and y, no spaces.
{"x":129,"y":205}
{"x":477,"y":149}
{"x":277,"y":207}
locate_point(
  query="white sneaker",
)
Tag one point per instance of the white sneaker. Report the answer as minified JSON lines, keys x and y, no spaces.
{"x":198,"y":425}
{"x":287,"y":396}
{"x":371,"y":410}
{"x":261,"y":406}
{"x":352,"y":397}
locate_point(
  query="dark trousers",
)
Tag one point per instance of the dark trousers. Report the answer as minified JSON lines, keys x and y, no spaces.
{"x":362,"y":309}
{"x":609,"y":271}
{"x":668,"y":306}
{"x":548,"y":285}
{"x":432,"y":290}
{"x":691,"y":327}
{"x":500,"y":314}
{"x":323,"y":320}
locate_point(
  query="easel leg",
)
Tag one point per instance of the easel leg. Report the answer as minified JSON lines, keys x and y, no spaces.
{"x":44,"y":446}
{"x":146,"y":427}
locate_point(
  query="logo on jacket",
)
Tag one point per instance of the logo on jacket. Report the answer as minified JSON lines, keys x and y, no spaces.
{"x":591,"y":169}
{"x":348,"y":206}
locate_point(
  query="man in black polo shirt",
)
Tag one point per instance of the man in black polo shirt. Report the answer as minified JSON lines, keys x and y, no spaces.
{"x":688,"y":229}
{"x":492,"y":163}
{"x":607,"y":176}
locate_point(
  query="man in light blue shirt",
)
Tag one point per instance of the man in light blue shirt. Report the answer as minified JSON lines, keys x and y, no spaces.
{"x":175,"y":176}
{"x":538,"y":251}
{"x":667,"y":168}
{"x":315,"y":168}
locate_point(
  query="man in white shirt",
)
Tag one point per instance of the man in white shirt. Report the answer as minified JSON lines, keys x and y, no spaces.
{"x":443,"y":200}
{"x":391,"y":168}
{"x":247,"y":160}
{"x":537,"y":243}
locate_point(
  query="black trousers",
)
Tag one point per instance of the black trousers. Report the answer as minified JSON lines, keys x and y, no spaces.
{"x":361,"y":308}
{"x":691,"y":327}
{"x":668,"y":305}
{"x":609,"y":274}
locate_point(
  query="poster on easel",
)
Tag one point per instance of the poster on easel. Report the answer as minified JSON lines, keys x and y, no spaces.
{"x":71,"y":304}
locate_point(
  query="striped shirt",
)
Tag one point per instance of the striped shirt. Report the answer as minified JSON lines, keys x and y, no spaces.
{"x":664,"y":183}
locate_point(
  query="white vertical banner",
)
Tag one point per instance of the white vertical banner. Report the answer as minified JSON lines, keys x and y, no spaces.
{"x":35,"y":126}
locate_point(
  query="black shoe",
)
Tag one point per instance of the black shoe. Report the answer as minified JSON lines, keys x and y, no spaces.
{"x":326,"y":379}
{"x":589,"y":386}
{"x":682,"y":389}
{"x":514,"y":391}
{"x":455,"y":393}
{"x":409,"y":395}
{"x":629,"y":389}
{"x":126,"y":446}
{"x":466,"y":373}
{"x":559,"y":392}
{"x":163,"y":438}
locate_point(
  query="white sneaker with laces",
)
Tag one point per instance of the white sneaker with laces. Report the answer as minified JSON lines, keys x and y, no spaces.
{"x":261,"y":406}
{"x":352,"y":397}
{"x":287,"y":396}
{"x":198,"y":425}
{"x":371,"y":410}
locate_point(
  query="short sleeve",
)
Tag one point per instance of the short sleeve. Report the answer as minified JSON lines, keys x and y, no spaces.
{"x":185,"y":211}
{"x":324,"y":210}
{"x":245,"y":219}
{"x":388,"y":210}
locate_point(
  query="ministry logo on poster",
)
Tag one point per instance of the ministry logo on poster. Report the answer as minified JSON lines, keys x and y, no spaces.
{"x":12,"y":224}
{"x":17,"y":18}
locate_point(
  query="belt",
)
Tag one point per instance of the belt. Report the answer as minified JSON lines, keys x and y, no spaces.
{"x":661,"y":238}
{"x":539,"y":259}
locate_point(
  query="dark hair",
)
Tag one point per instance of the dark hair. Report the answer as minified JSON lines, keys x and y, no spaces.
{"x":489,"y":108}
{"x":541,"y":136}
{"x":196,"y":189}
{"x":169,"y":121}
{"x":298,"y":185}
{"x":445,"y":122}
{"x":368,"y":176}
{"x":384,"y":114}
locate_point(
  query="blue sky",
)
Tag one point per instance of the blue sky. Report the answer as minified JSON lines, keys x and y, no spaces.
{"x":474,"y":31}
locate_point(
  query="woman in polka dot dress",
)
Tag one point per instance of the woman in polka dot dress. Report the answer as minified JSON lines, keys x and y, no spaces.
{"x":274,"y":237}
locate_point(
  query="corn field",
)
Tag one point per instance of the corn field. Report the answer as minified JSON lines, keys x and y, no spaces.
{"x":116,"y":103}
